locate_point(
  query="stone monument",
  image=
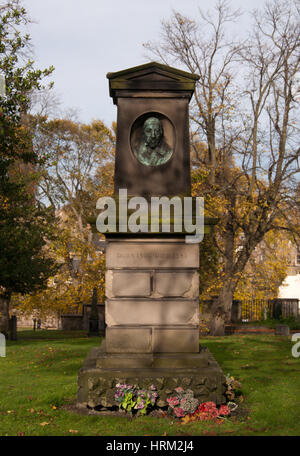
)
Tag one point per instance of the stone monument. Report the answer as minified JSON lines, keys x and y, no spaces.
{"x":152,"y":280}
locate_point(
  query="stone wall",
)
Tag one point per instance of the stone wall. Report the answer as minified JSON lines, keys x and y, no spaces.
{"x":81,"y":322}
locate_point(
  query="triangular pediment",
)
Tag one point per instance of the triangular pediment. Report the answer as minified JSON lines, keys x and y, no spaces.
{"x":153,"y":71}
{"x":151,"y":77}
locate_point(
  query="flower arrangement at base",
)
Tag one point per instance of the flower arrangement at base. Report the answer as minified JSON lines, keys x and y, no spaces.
{"x":182,"y":402}
{"x":132,"y":398}
{"x":209,"y":411}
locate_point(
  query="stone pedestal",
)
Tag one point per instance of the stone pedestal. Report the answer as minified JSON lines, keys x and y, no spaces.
{"x":152,"y":289}
{"x":152,"y":317}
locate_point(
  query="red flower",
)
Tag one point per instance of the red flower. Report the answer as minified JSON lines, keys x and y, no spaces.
{"x":207,"y":407}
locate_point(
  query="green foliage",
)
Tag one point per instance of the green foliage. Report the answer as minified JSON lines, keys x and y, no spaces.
{"x":128,"y":402}
{"x":20,"y":79}
{"x":132,"y":398}
{"x":24,"y":228}
{"x":24,"y":225}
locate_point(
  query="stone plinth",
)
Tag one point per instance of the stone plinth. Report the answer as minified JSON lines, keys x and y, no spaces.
{"x":101,"y":373}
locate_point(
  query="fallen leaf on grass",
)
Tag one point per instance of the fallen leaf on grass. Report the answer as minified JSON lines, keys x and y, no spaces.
{"x":220,"y":421}
{"x":32,"y":410}
{"x":164,"y":434}
{"x":44,"y":423}
{"x":21,"y":434}
{"x":73,"y":431}
{"x":186,"y":419}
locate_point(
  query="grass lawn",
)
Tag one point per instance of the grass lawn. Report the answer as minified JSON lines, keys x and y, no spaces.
{"x":38,"y":378}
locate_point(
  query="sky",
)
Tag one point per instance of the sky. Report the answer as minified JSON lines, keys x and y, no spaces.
{"x":84,"y":40}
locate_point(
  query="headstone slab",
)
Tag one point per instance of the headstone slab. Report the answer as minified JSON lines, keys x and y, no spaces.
{"x":161,"y":93}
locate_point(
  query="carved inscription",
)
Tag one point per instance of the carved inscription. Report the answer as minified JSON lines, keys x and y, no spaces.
{"x":146,"y":255}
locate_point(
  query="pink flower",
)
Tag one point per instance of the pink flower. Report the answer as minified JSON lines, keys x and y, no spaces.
{"x":224,"y":410}
{"x":179,"y":412}
{"x":179,"y":389}
{"x":210,"y":405}
{"x":172,"y":401}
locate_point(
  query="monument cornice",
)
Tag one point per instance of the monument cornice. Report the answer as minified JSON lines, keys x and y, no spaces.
{"x":151,"y":77}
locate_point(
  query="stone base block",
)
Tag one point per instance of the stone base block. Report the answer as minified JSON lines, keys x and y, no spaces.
{"x":129,"y":339}
{"x":176,"y":339}
{"x":151,"y":312}
{"x":101,"y":372}
{"x":152,"y":339}
{"x":154,"y":360}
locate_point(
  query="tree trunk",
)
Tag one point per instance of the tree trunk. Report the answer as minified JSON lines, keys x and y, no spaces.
{"x":4,"y":312}
{"x":221,"y":309}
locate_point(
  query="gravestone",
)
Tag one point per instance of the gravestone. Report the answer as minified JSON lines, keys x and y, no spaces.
{"x":152,"y":280}
{"x":282,"y":330}
{"x":13,"y":335}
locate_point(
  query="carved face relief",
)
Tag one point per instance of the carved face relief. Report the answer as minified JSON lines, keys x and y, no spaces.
{"x":153,"y":132}
{"x":150,"y":146}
